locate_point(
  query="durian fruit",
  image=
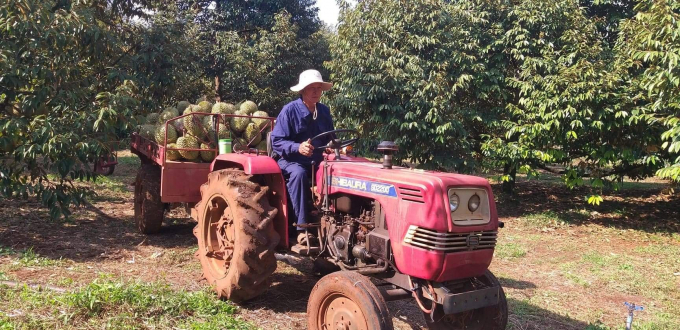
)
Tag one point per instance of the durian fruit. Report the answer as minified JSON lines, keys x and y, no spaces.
{"x":179,"y":125}
{"x":248,"y":107}
{"x":167,"y":114}
{"x":239,"y":124}
{"x":160,"y":134}
{"x":193,"y":124}
{"x":191,"y":108}
{"x":173,"y":110}
{"x":182,"y":105}
{"x":152,"y":118}
{"x":172,"y":154}
{"x":262,"y":146}
{"x":252,"y":133}
{"x":224,"y":132}
{"x":140,"y":120}
{"x":207,"y":155}
{"x":188,"y":142}
{"x":223,"y":108}
{"x":205,"y":106}
{"x":147,"y":131}
{"x":239,"y":144}
{"x":260,"y":122}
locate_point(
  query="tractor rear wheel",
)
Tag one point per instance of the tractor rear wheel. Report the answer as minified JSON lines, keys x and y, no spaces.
{"x":492,"y":317}
{"x":347,"y":300}
{"x":149,"y":209}
{"x":236,"y":236}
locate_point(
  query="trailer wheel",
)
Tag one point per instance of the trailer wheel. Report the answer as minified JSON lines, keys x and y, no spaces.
{"x":149,"y":209}
{"x":492,"y":317}
{"x":104,"y":170}
{"x":347,"y":300}
{"x":236,"y":236}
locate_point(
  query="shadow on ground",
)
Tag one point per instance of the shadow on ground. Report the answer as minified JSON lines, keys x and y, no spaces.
{"x":639,"y":209}
{"x":24,"y":225}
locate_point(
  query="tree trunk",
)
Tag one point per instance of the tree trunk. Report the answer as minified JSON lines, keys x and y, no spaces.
{"x":511,"y":170}
{"x":217,"y":89}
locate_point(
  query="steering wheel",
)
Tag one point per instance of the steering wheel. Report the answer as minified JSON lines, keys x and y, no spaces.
{"x":337,"y":144}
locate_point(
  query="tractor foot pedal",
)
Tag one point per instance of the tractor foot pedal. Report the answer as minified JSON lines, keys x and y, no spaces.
{"x":305,"y":250}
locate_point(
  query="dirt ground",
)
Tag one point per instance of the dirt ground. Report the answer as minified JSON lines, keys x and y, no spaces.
{"x":563,"y":264}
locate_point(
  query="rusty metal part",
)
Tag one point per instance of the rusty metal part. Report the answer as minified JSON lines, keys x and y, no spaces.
{"x":341,"y":313}
{"x":348,"y":301}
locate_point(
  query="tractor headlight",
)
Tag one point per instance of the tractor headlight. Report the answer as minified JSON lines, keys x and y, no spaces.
{"x":454,"y":201}
{"x":474,"y":202}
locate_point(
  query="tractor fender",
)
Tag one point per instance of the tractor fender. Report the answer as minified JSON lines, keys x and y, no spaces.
{"x":249,"y":163}
{"x":268,"y":170}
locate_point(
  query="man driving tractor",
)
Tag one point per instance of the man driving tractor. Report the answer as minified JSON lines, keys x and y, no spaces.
{"x":298,"y":122}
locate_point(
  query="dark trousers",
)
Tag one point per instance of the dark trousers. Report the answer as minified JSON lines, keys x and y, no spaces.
{"x":297,"y":178}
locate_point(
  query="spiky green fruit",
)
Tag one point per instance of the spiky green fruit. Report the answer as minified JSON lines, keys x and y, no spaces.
{"x":167,"y":115}
{"x":205,"y":106}
{"x":239,"y":144}
{"x":262,"y":146}
{"x":188,"y":142}
{"x":248,"y":107}
{"x":172,"y":154}
{"x":173,"y":110}
{"x":223,"y":108}
{"x":193,"y":124}
{"x":252,"y":133}
{"x":148,"y":131}
{"x":260,"y":122}
{"x":160,"y":134}
{"x":224,"y":133}
{"x":239,"y":124}
{"x":191,"y":108}
{"x":182,"y":105}
{"x":207,"y":155}
{"x":152,"y":118}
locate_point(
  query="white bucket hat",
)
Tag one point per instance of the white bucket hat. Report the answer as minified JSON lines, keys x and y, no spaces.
{"x":308,"y":77}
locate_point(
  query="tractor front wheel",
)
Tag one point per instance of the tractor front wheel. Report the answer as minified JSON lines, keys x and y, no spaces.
{"x":236,"y":236}
{"x":493,"y":317}
{"x":347,"y":300}
{"x":149,"y":209}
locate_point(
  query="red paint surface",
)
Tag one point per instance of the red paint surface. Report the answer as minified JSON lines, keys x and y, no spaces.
{"x":432,"y":214}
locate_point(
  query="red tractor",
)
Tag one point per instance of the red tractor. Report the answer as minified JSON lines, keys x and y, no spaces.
{"x":423,"y":235}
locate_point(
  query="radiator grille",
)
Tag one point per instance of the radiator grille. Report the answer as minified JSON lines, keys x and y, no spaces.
{"x":450,"y":242}
{"x":411,"y":194}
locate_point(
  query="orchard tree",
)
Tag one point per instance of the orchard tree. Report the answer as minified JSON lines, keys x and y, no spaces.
{"x":649,"y":46}
{"x":414,"y":72}
{"x":73,"y":76}
{"x":230,"y":31}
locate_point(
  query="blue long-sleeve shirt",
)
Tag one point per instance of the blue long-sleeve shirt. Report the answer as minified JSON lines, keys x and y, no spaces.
{"x":294,"y":125}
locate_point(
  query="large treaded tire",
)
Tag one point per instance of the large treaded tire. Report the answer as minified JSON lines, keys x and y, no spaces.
{"x":149,"y":210}
{"x":235,"y":209}
{"x":347,"y":300}
{"x":491,"y":318}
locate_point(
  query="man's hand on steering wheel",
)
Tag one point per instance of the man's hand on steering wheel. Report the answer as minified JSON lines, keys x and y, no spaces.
{"x":336,"y":144}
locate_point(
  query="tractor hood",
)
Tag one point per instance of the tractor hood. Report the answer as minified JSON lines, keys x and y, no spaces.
{"x":418,"y":197}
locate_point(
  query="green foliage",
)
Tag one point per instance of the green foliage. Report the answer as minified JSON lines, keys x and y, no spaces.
{"x":408,"y":72}
{"x":124,"y":305}
{"x":73,"y":76}
{"x":519,"y":85}
{"x":650,"y":45}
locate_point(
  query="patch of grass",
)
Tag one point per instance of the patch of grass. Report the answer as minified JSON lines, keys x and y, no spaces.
{"x":595,"y":258}
{"x":30,"y":258}
{"x":509,"y":251}
{"x":543,"y":219}
{"x":106,"y":303}
{"x":107,"y":183}
{"x":128,"y":160}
